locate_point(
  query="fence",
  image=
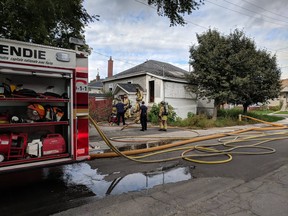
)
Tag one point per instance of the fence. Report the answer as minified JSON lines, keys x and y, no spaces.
{"x":100,"y":110}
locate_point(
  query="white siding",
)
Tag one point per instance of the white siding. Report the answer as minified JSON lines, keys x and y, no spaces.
{"x":177,"y":90}
{"x":180,"y":99}
{"x":183,"y":106}
{"x":174,"y":93}
{"x":205,"y":107}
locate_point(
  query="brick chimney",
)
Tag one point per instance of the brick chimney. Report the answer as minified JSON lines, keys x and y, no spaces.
{"x":110,"y":67}
{"x":98,"y":77}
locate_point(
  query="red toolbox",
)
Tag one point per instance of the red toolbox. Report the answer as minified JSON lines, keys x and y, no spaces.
{"x":53,"y":144}
{"x":4,"y":145}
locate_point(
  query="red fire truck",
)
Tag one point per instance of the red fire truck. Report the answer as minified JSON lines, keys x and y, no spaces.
{"x":43,"y":105}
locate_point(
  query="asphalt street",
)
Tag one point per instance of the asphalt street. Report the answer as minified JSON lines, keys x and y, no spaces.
{"x":247,"y":185}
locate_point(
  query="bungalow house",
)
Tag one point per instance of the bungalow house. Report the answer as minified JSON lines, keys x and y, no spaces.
{"x":96,"y":85}
{"x":282,"y":100}
{"x":159,"y":81}
{"x":284,"y":95}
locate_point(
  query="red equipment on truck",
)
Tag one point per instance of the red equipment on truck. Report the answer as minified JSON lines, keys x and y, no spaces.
{"x":43,"y":105}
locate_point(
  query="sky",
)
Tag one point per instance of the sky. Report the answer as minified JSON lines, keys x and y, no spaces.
{"x":131,"y":32}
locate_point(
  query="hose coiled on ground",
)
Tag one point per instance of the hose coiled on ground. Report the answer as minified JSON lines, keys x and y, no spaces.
{"x":229,"y":141}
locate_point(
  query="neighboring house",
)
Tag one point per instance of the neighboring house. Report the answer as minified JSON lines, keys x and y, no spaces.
{"x":159,"y":81}
{"x":284,"y":95}
{"x":96,"y":85}
{"x":97,"y":96}
{"x":282,"y":100}
{"x":126,"y":88}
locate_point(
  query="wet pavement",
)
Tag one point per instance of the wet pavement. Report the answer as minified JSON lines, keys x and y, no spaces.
{"x":254,"y":186}
{"x":83,"y":174}
{"x":265,"y":196}
{"x":117,"y":186}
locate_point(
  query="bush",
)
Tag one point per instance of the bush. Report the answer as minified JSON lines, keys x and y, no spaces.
{"x":226,"y":117}
{"x":194,"y":121}
{"x":229,"y":113}
{"x":154,"y":113}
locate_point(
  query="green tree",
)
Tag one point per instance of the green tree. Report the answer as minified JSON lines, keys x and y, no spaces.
{"x":175,"y":9}
{"x":53,"y":22}
{"x":229,"y":69}
{"x":257,"y":76}
{"x":209,"y":59}
{"x":49,"y":22}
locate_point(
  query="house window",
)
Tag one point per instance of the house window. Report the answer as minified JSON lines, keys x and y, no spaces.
{"x":110,"y":87}
{"x":151,"y":91}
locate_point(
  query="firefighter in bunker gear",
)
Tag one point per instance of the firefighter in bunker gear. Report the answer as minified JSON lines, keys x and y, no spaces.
{"x":139,"y":98}
{"x":163,"y":116}
{"x":113,"y":116}
{"x":137,"y":112}
{"x":139,"y":95}
{"x":127,"y":106}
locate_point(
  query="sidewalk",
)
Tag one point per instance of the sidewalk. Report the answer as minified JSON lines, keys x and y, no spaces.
{"x":265,"y":196}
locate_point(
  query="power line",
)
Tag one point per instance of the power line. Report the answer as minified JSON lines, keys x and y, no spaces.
{"x":265,"y":9}
{"x":255,"y":12}
{"x":282,"y":48}
{"x":114,"y":58}
{"x":241,"y":12}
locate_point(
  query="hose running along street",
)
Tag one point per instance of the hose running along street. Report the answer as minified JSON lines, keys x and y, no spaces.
{"x":234,"y":143}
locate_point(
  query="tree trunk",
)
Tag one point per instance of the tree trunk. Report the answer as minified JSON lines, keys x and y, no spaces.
{"x":215,"y":110}
{"x":245,"y":108}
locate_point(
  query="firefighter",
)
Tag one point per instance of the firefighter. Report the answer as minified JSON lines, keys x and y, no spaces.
{"x":120,"y":112}
{"x":114,"y":102}
{"x":139,"y":95}
{"x":139,"y":98}
{"x":127,"y":106}
{"x":137,"y":111}
{"x":163,"y":116}
{"x":113,"y":115}
{"x":143,"y":116}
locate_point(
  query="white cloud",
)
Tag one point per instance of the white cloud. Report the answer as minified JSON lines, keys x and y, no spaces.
{"x":132,"y":32}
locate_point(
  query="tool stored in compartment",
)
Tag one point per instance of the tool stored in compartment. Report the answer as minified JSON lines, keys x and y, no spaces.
{"x":4,"y":146}
{"x":53,"y":144}
{"x":53,"y":113}
{"x":13,"y":146}
{"x":35,"y":112}
{"x":4,"y":118}
{"x":34,"y":148}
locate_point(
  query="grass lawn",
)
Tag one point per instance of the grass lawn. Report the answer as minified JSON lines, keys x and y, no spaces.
{"x":282,"y":112}
{"x":262,"y":112}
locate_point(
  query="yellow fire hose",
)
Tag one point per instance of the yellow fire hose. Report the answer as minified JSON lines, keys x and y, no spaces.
{"x":209,"y":150}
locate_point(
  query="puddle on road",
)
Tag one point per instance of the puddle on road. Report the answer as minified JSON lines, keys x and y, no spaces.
{"x":82,"y":174}
{"x":73,"y":185}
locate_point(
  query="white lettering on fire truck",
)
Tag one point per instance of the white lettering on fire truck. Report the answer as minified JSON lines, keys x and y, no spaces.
{"x":22,"y":52}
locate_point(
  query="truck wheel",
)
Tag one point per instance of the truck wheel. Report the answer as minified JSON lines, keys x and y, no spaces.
{"x":2,"y":157}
